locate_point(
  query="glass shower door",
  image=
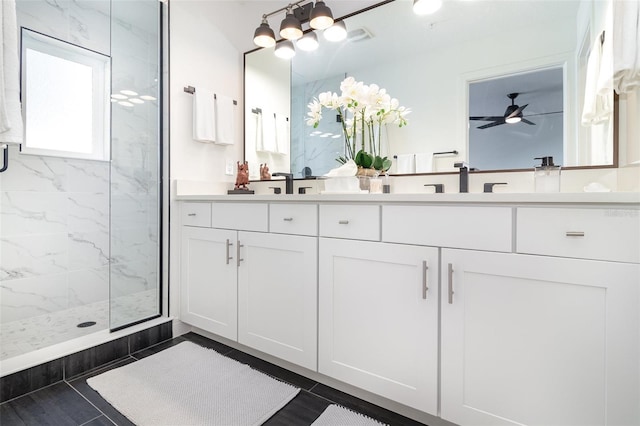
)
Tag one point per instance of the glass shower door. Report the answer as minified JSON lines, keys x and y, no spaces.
{"x":135,"y":202}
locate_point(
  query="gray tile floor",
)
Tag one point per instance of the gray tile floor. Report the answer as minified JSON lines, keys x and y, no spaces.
{"x":73,"y":402}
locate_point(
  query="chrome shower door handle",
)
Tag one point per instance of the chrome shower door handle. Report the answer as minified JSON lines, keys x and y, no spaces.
{"x":450,"y":274}
{"x":229,"y":244}
{"x":425,"y":286}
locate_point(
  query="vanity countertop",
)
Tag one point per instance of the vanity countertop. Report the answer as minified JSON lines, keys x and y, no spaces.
{"x":621,"y":198}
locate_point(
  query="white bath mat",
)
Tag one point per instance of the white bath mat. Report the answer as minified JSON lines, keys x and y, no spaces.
{"x":336,"y":415}
{"x":191,"y":385}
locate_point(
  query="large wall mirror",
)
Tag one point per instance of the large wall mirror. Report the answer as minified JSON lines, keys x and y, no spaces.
{"x":464,"y":61}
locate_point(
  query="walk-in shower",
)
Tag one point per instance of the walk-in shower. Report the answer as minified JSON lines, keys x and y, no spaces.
{"x":80,"y":235}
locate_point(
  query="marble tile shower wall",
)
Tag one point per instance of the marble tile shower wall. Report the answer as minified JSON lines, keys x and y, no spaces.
{"x":54,"y":235}
{"x":56,"y":214}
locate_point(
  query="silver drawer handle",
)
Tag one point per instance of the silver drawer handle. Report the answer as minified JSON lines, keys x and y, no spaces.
{"x":287,"y":219}
{"x":425,"y":286}
{"x":343,"y":222}
{"x":450,"y":274}
{"x":574,"y":234}
{"x":229,"y":244}
{"x":239,"y":259}
{"x":191,"y":214}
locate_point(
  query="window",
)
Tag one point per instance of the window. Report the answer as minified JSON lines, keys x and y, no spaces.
{"x":65,"y":98}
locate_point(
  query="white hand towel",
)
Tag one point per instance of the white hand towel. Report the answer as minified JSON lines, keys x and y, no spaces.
{"x":11,"y":127}
{"x":204,"y":125}
{"x":225,"y":120}
{"x":259,"y":137}
{"x":625,"y":44}
{"x":282,"y":134}
{"x":406,"y":163}
{"x":598,"y":107}
{"x":268,"y":132}
{"x":424,"y":162}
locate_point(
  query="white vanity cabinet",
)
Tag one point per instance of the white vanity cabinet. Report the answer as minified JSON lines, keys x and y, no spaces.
{"x":208,"y":291}
{"x":277,"y":296}
{"x":248,"y":285}
{"x":378,"y":319}
{"x":540,"y":339}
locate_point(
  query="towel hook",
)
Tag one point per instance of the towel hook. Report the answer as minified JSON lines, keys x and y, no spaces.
{"x":5,"y":156}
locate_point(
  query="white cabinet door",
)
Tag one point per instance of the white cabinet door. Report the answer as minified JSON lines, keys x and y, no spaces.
{"x":533,"y":340}
{"x":277,"y":291}
{"x":208,"y":280}
{"x":378,"y":326}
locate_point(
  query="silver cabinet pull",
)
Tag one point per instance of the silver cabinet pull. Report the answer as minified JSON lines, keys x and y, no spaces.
{"x":574,"y":234}
{"x":425,"y":287}
{"x":343,"y":222}
{"x":229,"y":244}
{"x":238,"y":253}
{"x":450,"y":272}
{"x":191,"y":214}
{"x":287,"y":219}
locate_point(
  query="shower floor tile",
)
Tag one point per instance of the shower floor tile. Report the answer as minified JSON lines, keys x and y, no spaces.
{"x":95,"y":411}
{"x":23,"y":336}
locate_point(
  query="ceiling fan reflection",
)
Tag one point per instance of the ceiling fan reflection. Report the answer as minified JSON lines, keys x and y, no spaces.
{"x":513,"y":114}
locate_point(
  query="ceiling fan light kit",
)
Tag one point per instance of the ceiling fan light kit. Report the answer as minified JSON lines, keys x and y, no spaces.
{"x":512,"y":115}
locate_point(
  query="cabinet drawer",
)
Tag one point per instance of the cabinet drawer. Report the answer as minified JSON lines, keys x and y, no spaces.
{"x":240,"y":216}
{"x":196,"y":214}
{"x":602,"y":234}
{"x":358,"y":222}
{"x":481,"y":228}
{"x":300,"y":219}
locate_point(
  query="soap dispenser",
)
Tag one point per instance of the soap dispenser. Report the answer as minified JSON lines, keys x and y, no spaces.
{"x":547,"y":175}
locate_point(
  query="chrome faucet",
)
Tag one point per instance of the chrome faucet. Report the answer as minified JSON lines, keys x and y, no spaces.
{"x":288,"y":181}
{"x":464,"y":175}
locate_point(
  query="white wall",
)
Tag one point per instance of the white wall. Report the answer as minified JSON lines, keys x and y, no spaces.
{"x":201,"y":56}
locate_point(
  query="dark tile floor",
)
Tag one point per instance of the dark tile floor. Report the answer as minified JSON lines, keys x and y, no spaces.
{"x":73,"y":402}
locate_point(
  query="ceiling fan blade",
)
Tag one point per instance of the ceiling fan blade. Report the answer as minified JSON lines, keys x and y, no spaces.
{"x":495,"y":123}
{"x":487,"y":118}
{"x":524,"y":120}
{"x":545,"y":113}
{"x":517,"y":112}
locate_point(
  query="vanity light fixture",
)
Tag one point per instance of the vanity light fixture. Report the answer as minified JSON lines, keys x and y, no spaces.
{"x":426,"y":7}
{"x":290,"y":27}
{"x":264,"y":36}
{"x":321,"y":16}
{"x":336,"y":32}
{"x":308,"y":42}
{"x":285,"y":49}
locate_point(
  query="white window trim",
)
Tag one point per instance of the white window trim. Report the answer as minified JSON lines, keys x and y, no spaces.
{"x":101,"y":65}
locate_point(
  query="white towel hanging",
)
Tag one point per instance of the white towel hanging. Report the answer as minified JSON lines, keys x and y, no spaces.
{"x":406,"y":163}
{"x":282,"y":134}
{"x":225,"y":120}
{"x":625,"y":45}
{"x":11,"y":126}
{"x":204,"y":126}
{"x":424,"y":162}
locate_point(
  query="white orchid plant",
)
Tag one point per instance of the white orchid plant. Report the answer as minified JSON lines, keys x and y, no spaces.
{"x":363,"y":110}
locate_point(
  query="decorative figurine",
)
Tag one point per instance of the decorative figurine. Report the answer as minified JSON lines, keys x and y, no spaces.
{"x":242,"y":180}
{"x":264,"y":172}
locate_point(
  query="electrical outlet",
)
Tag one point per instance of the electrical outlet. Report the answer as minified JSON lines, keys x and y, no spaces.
{"x":228,"y":170}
